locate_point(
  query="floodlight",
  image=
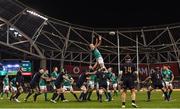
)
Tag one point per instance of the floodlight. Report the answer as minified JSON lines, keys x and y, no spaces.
{"x":36,"y":14}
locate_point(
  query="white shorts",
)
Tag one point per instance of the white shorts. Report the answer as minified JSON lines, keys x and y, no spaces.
{"x":5,"y":88}
{"x":115,"y":85}
{"x":100,"y":61}
{"x":167,"y":84}
{"x":67,"y":88}
{"x":91,"y":84}
{"x":108,"y":85}
{"x":83,"y":88}
{"x":14,"y":89}
{"x":97,"y":85}
{"x":43,"y":87}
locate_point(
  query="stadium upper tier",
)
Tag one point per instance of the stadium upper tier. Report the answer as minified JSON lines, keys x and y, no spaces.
{"x":28,"y":31}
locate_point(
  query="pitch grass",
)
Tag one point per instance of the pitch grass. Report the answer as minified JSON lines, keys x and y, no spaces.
{"x":156,"y":102}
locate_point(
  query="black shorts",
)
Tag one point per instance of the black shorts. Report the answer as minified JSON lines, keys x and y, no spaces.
{"x":103,"y":85}
{"x":79,"y":84}
{"x":157,"y":85}
{"x":58,"y":86}
{"x":34,"y":86}
{"x":19,"y":88}
{"x":128,"y":83}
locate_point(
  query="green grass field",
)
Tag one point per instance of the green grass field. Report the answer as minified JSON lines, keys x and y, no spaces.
{"x":156,"y":102}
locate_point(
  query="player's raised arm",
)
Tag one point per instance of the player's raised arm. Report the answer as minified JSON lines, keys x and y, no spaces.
{"x":99,"y":40}
{"x":96,"y":43}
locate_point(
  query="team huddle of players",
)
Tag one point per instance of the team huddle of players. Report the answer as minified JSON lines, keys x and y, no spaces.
{"x":96,"y":77}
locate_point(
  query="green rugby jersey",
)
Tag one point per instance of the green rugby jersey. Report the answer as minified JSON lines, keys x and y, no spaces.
{"x":96,"y":53}
{"x":42,"y":82}
{"x":167,"y":75}
{"x":6,"y":81}
{"x":13,"y":82}
{"x":113,"y":79}
{"x":67,"y":82}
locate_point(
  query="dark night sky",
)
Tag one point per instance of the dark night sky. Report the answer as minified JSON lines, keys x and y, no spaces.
{"x":109,"y":13}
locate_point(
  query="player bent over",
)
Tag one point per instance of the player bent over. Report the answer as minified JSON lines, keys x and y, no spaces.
{"x":128,"y":78}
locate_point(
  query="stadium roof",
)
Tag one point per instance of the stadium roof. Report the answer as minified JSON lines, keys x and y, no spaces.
{"x":29,"y":31}
{"x":109,"y":13}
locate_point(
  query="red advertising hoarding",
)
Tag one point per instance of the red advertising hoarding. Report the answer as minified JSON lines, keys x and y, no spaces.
{"x":144,"y":69}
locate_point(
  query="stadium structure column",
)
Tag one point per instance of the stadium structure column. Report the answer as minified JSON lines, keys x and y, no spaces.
{"x":7,"y":34}
{"x":119,"y":62}
{"x":145,"y":45}
{"x":43,"y":63}
{"x":62,"y":60}
{"x":65,"y":47}
{"x":137,"y":55}
{"x":175,"y":47}
{"x":92,"y":37}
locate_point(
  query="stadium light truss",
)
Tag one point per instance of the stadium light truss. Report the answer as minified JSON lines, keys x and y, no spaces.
{"x":36,"y":14}
{"x":16,"y":33}
{"x":11,"y":29}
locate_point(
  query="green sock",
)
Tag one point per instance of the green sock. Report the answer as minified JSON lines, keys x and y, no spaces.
{"x":7,"y":94}
{"x":45,"y":95}
{"x":2,"y":94}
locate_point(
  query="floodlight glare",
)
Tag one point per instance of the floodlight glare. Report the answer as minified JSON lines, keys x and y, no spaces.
{"x":36,"y":14}
{"x":19,"y":35}
{"x":16,"y":33}
{"x":112,"y":33}
{"x":12,"y":29}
